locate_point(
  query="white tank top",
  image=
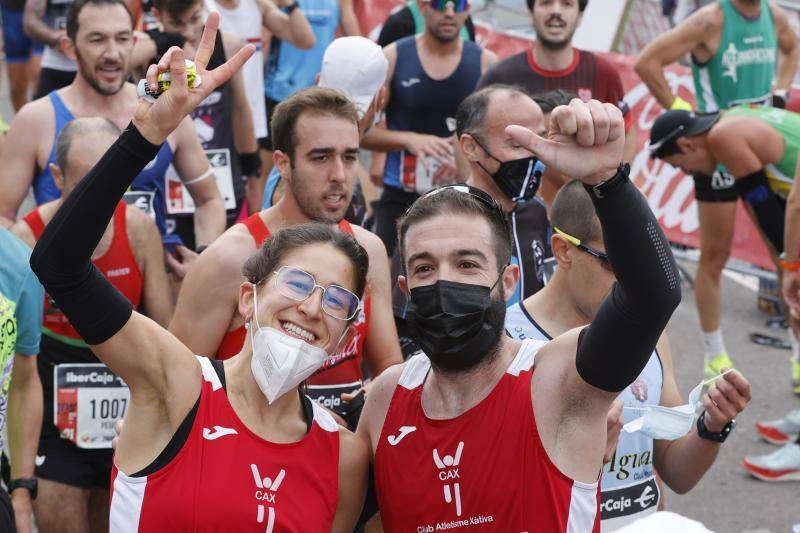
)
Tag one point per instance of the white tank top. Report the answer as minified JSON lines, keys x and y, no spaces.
{"x":245,"y":20}
{"x":628,"y":489}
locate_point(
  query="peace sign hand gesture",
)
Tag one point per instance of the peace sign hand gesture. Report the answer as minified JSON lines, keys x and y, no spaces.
{"x":157,"y":120}
{"x":585,"y":141}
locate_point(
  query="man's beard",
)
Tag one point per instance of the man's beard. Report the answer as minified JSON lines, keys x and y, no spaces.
{"x":552,"y":45}
{"x":443,"y":38}
{"x":307,"y":205}
{"x":87,"y":74}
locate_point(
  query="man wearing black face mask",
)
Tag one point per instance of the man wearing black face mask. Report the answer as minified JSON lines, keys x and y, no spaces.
{"x":509,"y":173}
{"x":485,"y":430}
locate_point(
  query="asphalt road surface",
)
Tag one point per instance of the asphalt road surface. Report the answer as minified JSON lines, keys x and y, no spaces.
{"x":728,"y":499}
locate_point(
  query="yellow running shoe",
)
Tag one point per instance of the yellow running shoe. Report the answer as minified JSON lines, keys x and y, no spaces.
{"x":795,"y":375}
{"x":714,"y":366}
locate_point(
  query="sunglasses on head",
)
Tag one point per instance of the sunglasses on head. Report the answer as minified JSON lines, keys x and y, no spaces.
{"x":484,"y":198}
{"x":576,"y":242}
{"x":459,"y":6}
{"x":299,"y":285}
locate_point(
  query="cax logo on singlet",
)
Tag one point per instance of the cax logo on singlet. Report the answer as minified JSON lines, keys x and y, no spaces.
{"x":448,"y":472}
{"x":266,"y":489}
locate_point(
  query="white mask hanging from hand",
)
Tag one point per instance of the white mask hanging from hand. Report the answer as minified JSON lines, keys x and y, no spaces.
{"x":668,"y":423}
{"x":280,"y":362}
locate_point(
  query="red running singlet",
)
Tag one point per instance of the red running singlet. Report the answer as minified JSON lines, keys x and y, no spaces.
{"x":118,"y":265}
{"x":343,"y":372}
{"x":226,"y":478}
{"x":485,"y":470}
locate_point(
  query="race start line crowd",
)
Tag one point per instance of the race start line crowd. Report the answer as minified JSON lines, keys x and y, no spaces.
{"x":487,"y":347}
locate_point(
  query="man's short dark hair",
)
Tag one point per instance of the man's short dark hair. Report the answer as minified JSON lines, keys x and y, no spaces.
{"x":77,"y":6}
{"x":581,"y":4}
{"x":313,"y":100}
{"x":471,"y":112}
{"x":552,"y":99}
{"x":175,"y":8}
{"x":573,"y":213}
{"x":451,"y":202}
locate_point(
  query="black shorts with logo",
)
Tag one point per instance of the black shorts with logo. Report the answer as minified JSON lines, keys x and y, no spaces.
{"x":61,"y":461}
{"x":719,"y":187}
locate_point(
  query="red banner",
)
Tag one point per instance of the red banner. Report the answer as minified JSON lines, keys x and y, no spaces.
{"x":669,"y":191}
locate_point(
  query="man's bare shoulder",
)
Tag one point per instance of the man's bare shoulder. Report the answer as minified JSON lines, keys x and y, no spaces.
{"x":37,"y":114}
{"x":228,"y":253}
{"x":369,"y":241}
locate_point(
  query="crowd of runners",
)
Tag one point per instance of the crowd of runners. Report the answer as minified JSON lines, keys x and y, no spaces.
{"x":488,"y":346}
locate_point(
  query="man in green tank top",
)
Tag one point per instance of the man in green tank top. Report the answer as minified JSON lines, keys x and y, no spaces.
{"x":758,"y":146}
{"x":741,"y":51}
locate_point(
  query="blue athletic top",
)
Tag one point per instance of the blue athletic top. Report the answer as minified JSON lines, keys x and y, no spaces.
{"x":290,"y":69}
{"x":424,"y":105}
{"x":150,"y":180}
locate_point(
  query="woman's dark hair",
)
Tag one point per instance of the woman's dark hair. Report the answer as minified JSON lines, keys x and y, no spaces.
{"x":264,"y":262}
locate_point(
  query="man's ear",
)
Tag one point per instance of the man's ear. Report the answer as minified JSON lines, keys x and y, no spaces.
{"x":686,"y":144}
{"x":562,"y":251}
{"x":510,"y":279}
{"x":470,"y":147}
{"x":402,"y":283}
{"x":283,"y":164}
{"x":67,"y":47}
{"x":58,"y":176}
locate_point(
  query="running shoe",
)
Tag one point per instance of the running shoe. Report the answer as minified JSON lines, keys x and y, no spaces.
{"x":782,"y":430}
{"x":780,"y":465}
{"x":713,"y":367}
{"x":795,"y":375}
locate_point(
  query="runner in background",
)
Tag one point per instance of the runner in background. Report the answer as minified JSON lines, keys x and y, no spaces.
{"x":735,"y":47}
{"x":224,"y":124}
{"x":429,"y":75}
{"x":553,"y":63}
{"x":291,"y":67}
{"x":758,"y":146}
{"x":21,"y":299}
{"x":100,"y":89}
{"x":23,"y":55}
{"x":316,"y":134}
{"x":45,"y":21}
{"x":570,"y":300}
{"x":404,"y":21}
{"x":249,"y":18}
{"x":356,"y":67}
{"x":73,"y":461}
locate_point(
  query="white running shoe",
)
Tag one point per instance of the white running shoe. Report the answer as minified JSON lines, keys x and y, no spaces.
{"x":782,"y":430}
{"x":780,"y":465}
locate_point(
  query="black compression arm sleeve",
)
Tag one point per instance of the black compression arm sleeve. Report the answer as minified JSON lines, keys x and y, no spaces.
{"x":62,"y":257}
{"x":615,"y":347}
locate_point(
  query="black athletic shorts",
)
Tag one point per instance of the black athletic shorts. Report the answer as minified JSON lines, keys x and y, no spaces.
{"x":61,"y":461}
{"x":265,"y":143}
{"x":717,"y":188}
{"x":51,"y":80}
{"x":7,"y":521}
{"x":392,"y":204}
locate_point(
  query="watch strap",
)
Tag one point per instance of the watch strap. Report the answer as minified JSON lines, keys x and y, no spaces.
{"x":291,"y":7}
{"x":29,"y":483}
{"x":604,"y":188}
{"x":720,"y":437}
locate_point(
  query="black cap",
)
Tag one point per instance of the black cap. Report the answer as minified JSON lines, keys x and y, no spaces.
{"x":672,"y":125}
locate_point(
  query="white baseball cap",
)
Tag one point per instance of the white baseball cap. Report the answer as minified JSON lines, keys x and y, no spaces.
{"x":356,"y":67}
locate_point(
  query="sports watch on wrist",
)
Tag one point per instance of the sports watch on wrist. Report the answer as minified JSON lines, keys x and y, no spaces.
{"x":605,"y":187}
{"x":704,"y":433}
{"x":29,"y":483}
{"x":291,"y":7}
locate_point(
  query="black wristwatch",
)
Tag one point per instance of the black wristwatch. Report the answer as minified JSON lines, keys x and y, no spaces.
{"x":291,"y":7}
{"x":720,"y":437}
{"x":30,"y":483}
{"x":605,"y":187}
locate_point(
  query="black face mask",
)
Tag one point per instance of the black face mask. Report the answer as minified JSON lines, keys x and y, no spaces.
{"x":457,"y":325}
{"x":519,"y":179}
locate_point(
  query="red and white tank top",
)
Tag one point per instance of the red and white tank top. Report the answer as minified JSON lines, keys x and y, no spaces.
{"x":226,"y":478}
{"x":343,"y":372}
{"x":118,"y":265}
{"x":485,"y":470}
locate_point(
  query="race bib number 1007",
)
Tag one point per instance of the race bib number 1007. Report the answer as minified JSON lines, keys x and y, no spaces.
{"x":88,"y":399}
